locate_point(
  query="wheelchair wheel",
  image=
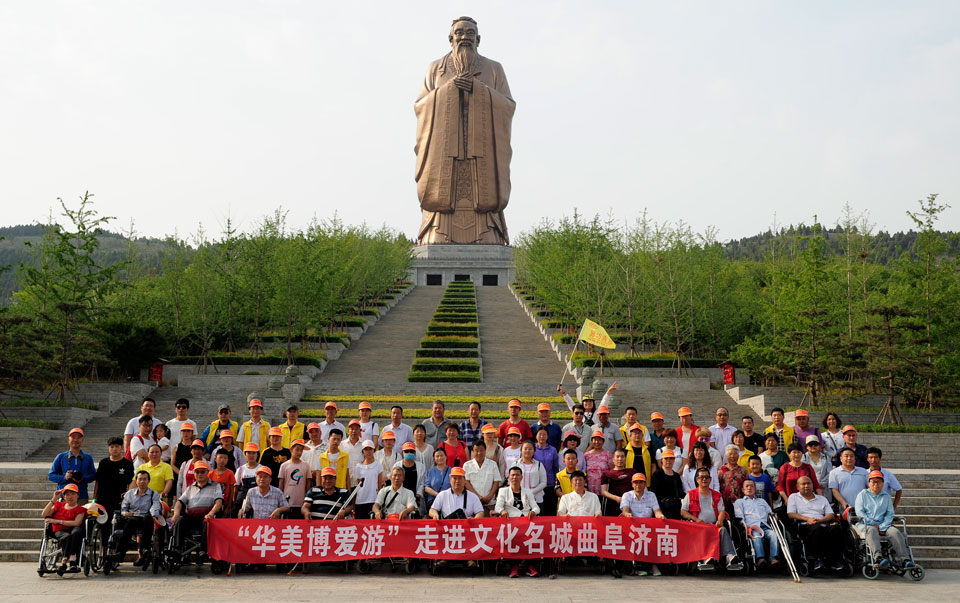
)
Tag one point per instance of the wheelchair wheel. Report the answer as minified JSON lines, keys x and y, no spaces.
{"x":870,"y":572}
{"x":85,"y":565}
{"x":93,"y":548}
{"x":49,"y":555}
{"x":217,"y":567}
{"x":849,"y":569}
{"x":917,"y":573}
{"x":363,"y":566}
{"x":803,"y":568}
{"x":411,"y":566}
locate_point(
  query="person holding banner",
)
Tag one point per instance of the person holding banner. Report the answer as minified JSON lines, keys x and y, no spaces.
{"x":641,"y":502}
{"x":704,"y":505}
{"x":394,"y":499}
{"x":327,"y":501}
{"x":265,"y":501}
{"x":580,"y":502}
{"x":456,"y":502}
{"x":514,"y":500}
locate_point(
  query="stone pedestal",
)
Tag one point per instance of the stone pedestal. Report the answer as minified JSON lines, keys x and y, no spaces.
{"x":481,"y":264}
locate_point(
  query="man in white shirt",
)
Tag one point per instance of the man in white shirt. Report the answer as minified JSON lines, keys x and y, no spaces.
{"x":351,"y":445}
{"x":330,"y":422}
{"x":483,"y":476}
{"x":368,"y":429}
{"x":140,"y":443}
{"x":181,"y":407}
{"x":147,"y":409}
{"x":402,"y":432}
{"x":394,"y":498}
{"x":721,"y":434}
{"x":818,"y":527}
{"x":456,"y":497}
{"x":639,"y":502}
{"x":580,"y":502}
{"x":314,"y":446}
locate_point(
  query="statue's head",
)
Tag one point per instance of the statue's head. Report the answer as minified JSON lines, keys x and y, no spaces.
{"x":464,"y":32}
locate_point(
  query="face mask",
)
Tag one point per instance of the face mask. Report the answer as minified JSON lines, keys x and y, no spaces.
{"x":409,"y":456}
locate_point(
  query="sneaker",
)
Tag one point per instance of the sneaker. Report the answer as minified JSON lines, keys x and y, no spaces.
{"x":654,"y":570}
{"x":616,"y":573}
{"x":817,"y":566}
{"x":761,"y":562}
{"x":532,"y":572}
{"x":515,"y":572}
{"x":908,"y":564}
{"x":139,"y":561}
{"x":883,"y":562}
{"x":837,"y":566}
{"x":640,"y":572}
{"x":774,"y":562}
{"x":734,"y":565}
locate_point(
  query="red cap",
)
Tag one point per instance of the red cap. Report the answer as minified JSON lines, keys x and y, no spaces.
{"x":543,"y":406}
{"x":636,"y":427}
{"x":328,"y":471}
{"x":251,"y":447}
{"x":72,"y":488}
{"x":313,"y":426}
{"x":847,"y":428}
{"x":514,"y":431}
{"x":201,"y":465}
{"x":875,"y":474}
{"x":656,"y":416}
{"x":638,"y":477}
{"x":801,"y":413}
{"x":255,"y":402}
{"x":597,"y":434}
{"x":364,"y":406}
{"x":198,"y":443}
{"x":409,"y":446}
{"x":455,"y":471}
{"x":297,"y":443}
{"x":353,"y":422}
{"x":667,"y":454}
{"x":75,"y":430}
{"x":488,"y":428}
{"x":275,"y":431}
{"x":388,"y":435}
{"x":265,"y":469}
{"x":513,"y":403}
{"x":603,"y":410}
{"x":571,"y":434}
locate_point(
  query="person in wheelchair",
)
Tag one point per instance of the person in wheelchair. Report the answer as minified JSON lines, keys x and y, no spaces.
{"x":513,"y":500}
{"x":326,"y":501}
{"x":65,"y":520}
{"x":754,"y":512}
{"x":395,"y":499}
{"x":704,"y":505}
{"x":201,"y":501}
{"x":456,"y":502}
{"x":139,"y":507}
{"x":874,"y":510}
{"x":265,"y":501}
{"x":817,"y":525}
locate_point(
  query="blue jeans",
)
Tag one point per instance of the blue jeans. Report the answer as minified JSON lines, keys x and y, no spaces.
{"x":757,"y":540}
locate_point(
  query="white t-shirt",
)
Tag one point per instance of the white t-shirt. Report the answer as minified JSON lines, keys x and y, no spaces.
{"x":482,"y":478}
{"x":354,"y":453}
{"x":575,"y":505}
{"x":447,"y":502}
{"x":165,"y":452}
{"x":137,"y":444}
{"x":368,"y":430}
{"x":367,"y":493}
{"x":133,"y":425}
{"x":677,"y":460}
{"x":175,"y":425}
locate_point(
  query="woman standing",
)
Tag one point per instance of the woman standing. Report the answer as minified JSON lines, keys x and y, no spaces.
{"x":668,"y":487}
{"x":832,"y":436}
{"x":793,"y":470}
{"x":547,"y":455}
{"x":732,"y":476}
{"x":701,"y":459}
{"x":455,"y":450}
{"x":534,"y":474}
{"x":424,"y":452}
{"x":815,"y":457}
{"x":615,"y":483}
{"x":438,"y":477}
{"x":597,"y":461}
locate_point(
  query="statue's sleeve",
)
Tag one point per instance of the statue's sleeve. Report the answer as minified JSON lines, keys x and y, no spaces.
{"x":502,"y":108}
{"x":436,"y":110}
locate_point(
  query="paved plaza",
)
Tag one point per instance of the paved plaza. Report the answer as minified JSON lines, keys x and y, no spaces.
{"x":21,"y":583}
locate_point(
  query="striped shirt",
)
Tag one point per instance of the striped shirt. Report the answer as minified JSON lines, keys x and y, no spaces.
{"x":263,"y":505}
{"x":323,"y":504}
{"x":197,"y":497}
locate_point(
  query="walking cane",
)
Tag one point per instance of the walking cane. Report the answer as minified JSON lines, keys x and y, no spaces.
{"x":346,"y":504}
{"x":775,"y":524}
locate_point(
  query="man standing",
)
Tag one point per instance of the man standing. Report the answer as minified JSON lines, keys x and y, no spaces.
{"x":314,"y":446}
{"x":147,"y":409}
{"x":211,"y":434}
{"x":579,"y":427}
{"x":351,"y":446}
{"x":292,"y":429}
{"x":295,"y":478}
{"x":802,"y":429}
{"x":751,"y":440}
{"x":891,"y":485}
{"x":434,"y":424}
{"x":656,"y":434}
{"x":514,"y":420}
{"x":847,"y":480}
{"x":554,"y":433}
{"x":464,"y":111}
{"x":483,"y":476}
{"x":330,"y":421}
{"x":612,"y":438}
{"x":256,"y":429}
{"x":784,"y":433}
{"x":721,"y":434}
{"x":336,"y":458}
{"x":141,"y":442}
{"x":113,"y":478}
{"x":470,"y":430}
{"x":402,"y":433}
{"x":181,"y":452}
{"x":850,"y":443}
{"x":73,"y":466}
{"x":181,"y":407}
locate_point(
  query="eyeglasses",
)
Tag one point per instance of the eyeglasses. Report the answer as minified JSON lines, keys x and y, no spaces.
{"x":180,"y":406}
{"x":578,"y":413}
{"x":704,"y":477}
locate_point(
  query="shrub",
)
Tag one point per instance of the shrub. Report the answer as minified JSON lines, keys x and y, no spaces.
{"x":443,"y":377}
{"x":909,"y":428}
{"x":28,"y":423}
{"x":452,"y":330}
{"x":351,"y":322}
{"x":369,"y":312}
{"x":532,"y":401}
{"x":422,"y":365}
{"x":580,"y":360}
{"x":47,"y":404}
{"x":271,"y":359}
{"x":449,"y":342}
{"x":418,"y":414}
{"x":446,"y":353}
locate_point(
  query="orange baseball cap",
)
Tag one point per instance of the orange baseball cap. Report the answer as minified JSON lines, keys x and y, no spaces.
{"x":275,"y":431}
{"x":667,"y":454}
{"x":847,"y":428}
{"x":75,"y":430}
{"x":409,"y":446}
{"x":801,"y":413}
{"x":543,"y":406}
{"x":638,"y":477}
{"x":72,"y":488}
{"x":656,"y":416}
{"x":201,"y":465}
{"x":603,"y":410}
{"x":457,"y":471}
{"x":186,"y":427}
{"x":265,"y":469}
{"x":353,"y":422}
{"x":488,"y":428}
{"x":513,"y":403}
{"x":328,"y":471}
{"x":387,"y":435}
{"x":636,"y":427}
{"x":684,"y":411}
{"x":514,"y":431}
{"x":364,"y":406}
{"x":330,"y":404}
{"x":198,"y":443}
{"x":875,"y":474}
{"x":226,"y":433}
{"x":297,"y":443}
{"x":251,"y":447}
{"x":598,"y":434}
{"x":255,"y":402}
{"x":313,"y":426}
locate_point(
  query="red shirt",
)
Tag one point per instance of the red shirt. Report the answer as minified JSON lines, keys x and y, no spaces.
{"x":787,"y":482}
{"x":525,"y":432}
{"x":61,"y":512}
{"x":456,"y":457}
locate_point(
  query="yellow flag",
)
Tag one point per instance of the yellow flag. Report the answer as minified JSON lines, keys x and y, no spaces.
{"x":593,"y":333}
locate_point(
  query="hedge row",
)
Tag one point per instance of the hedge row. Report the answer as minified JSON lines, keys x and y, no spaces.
{"x":47,"y":404}
{"x":453,"y":331}
{"x":530,"y":401}
{"x":430,"y":365}
{"x":28,"y":423}
{"x":645,"y":361}
{"x":446,"y":353}
{"x":443,"y":377}
{"x":449,"y":342}
{"x":269,"y":359}
{"x":441,"y":360}
{"x":456,"y":318}
{"x":369,"y":312}
{"x":418,"y":414}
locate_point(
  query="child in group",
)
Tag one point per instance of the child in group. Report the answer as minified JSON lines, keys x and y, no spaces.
{"x":161,"y":434}
{"x":247,"y":475}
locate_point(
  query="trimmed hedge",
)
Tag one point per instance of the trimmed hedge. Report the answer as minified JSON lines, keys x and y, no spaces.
{"x":353,"y":321}
{"x":425,"y":413}
{"x":908,"y":428}
{"x":298,"y":359}
{"x":369,"y":312}
{"x":452,"y":331}
{"x":418,"y":399}
{"x":645,"y":361}
{"x":454,"y":318}
{"x":446,"y":353}
{"x":46,"y":404}
{"x":449,"y":342}
{"x":28,"y":423}
{"x":429,"y":365}
{"x":437,"y":323}
{"x":443,"y":377}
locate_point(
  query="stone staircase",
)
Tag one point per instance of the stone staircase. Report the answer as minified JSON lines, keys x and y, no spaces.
{"x":24,"y":491}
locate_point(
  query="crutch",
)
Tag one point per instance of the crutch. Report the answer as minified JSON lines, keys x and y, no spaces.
{"x":775,"y":524}
{"x":346,"y":504}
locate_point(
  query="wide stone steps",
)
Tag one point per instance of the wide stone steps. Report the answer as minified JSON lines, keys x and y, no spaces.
{"x":96,"y":434}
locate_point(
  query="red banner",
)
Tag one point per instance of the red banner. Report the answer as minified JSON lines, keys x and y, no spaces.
{"x":290,"y":541}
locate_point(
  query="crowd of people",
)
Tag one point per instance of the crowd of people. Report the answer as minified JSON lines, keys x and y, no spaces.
{"x":440,"y":468}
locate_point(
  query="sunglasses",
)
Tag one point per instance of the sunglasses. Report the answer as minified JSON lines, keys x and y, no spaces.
{"x":578,"y":413}
{"x":180,"y":406}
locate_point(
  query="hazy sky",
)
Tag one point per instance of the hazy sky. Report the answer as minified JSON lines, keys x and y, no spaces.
{"x":716,"y":113}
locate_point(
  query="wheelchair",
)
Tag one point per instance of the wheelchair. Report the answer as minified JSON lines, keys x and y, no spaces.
{"x":798,"y":549}
{"x":154,"y":556}
{"x":396,"y":563}
{"x":870,"y":569}
{"x":192,"y":530}
{"x":90,"y":556}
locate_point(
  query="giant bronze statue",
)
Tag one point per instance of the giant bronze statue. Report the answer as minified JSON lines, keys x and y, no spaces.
{"x":463,"y":151}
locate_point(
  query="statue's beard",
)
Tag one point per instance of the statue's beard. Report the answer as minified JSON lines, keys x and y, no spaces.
{"x":463,"y":56}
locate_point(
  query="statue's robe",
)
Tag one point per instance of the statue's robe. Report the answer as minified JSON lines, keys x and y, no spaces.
{"x":463,"y":154}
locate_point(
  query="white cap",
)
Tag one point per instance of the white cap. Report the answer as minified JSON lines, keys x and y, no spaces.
{"x":367,"y":444}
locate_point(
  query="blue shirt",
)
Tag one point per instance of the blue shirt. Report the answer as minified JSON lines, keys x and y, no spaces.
{"x":875,"y":509}
{"x":765,"y":487}
{"x":65,"y":462}
{"x":640,"y":507}
{"x":554,"y":433}
{"x":470,"y":435}
{"x":860,"y":453}
{"x":849,"y":483}
{"x":548,"y":458}
{"x":438,"y":480}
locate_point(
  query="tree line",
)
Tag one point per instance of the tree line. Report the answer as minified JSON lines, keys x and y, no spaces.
{"x":824,"y":311}
{"x":275,"y":290}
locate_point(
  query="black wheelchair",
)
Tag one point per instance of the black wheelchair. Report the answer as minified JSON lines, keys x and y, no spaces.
{"x":187,"y":544}
{"x":90,"y":557}
{"x":396,"y":563}
{"x":153,"y":555}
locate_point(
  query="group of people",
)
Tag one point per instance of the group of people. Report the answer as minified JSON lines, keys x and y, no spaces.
{"x":440,"y":468}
